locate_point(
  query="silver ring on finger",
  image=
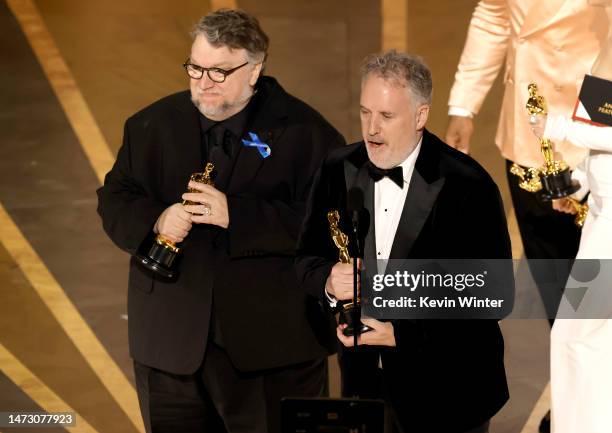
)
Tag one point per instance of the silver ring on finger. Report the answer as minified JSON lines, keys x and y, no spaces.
{"x":207,"y":209}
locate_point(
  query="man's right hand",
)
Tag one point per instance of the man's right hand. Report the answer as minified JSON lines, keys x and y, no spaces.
{"x":339,"y":283}
{"x":174,"y":223}
{"x":459,"y":132}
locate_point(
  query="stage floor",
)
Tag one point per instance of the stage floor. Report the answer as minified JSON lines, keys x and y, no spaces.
{"x":72,"y":72}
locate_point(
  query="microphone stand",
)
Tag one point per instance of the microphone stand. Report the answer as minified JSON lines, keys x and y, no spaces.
{"x":356,"y":313}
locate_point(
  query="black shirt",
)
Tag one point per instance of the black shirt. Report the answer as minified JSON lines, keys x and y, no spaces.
{"x":226,"y":132}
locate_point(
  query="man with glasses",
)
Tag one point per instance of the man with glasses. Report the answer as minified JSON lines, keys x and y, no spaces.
{"x":216,"y":349}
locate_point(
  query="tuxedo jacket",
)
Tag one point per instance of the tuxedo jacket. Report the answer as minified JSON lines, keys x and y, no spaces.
{"x":443,"y":375}
{"x":243,"y":276}
{"x":552,"y":43}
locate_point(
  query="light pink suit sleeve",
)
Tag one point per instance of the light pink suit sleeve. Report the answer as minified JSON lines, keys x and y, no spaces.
{"x":483,"y":54}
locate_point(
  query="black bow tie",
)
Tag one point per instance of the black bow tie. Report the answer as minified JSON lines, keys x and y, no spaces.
{"x":396,"y":174}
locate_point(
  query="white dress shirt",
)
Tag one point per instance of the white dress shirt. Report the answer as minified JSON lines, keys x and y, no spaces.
{"x":389,"y":202}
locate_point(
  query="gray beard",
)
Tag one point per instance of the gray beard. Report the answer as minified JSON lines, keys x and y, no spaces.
{"x":225,"y":107}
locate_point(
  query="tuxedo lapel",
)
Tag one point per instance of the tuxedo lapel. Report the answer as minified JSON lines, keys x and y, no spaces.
{"x":419,"y":202}
{"x":425,"y":185}
{"x":268,"y":125}
{"x":249,"y":161}
{"x":541,"y":14}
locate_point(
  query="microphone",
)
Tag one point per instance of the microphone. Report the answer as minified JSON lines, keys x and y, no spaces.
{"x":354,"y":203}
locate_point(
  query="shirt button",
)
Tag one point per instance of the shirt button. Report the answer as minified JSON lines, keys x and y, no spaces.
{"x":379,"y":253}
{"x":385,"y":210}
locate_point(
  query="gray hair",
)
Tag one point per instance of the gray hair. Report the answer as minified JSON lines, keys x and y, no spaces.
{"x":403,"y":68}
{"x":235,"y":29}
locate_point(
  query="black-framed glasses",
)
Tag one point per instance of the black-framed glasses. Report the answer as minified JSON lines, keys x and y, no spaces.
{"x":217,"y":75}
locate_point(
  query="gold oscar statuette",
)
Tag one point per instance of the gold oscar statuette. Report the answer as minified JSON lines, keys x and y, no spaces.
{"x":553,"y":179}
{"x":341,"y":241}
{"x":161,"y":257}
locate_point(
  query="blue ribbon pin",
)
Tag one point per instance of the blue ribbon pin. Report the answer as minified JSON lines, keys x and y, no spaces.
{"x":263,"y":148}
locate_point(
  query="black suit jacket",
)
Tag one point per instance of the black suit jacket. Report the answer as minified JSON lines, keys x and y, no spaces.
{"x":443,"y":375}
{"x":248,"y":280}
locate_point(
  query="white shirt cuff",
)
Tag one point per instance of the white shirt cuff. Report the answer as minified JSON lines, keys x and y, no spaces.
{"x":330,"y":299}
{"x":461,"y":112}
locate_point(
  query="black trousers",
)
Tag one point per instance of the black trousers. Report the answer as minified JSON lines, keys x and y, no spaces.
{"x":546,"y":234}
{"x":361,"y":378}
{"x":220,"y":399}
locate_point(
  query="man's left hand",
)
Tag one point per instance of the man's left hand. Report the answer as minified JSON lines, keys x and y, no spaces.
{"x":211,"y":207}
{"x":382,"y":334}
